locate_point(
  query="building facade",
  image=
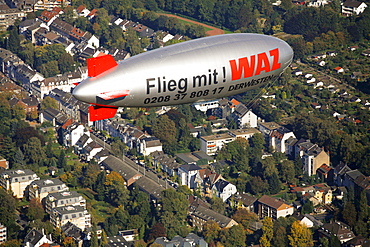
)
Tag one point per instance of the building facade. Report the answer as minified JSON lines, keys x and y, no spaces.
{"x":17,"y":181}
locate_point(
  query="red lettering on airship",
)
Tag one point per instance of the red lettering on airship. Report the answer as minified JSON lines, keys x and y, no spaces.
{"x":248,"y":66}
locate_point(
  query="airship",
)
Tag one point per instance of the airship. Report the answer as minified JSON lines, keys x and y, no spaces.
{"x":197,"y":70}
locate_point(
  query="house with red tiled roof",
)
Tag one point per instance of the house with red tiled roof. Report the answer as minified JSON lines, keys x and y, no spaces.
{"x":339,"y":69}
{"x":82,"y":11}
{"x":273,"y":207}
{"x":92,"y":14}
{"x":325,"y":172}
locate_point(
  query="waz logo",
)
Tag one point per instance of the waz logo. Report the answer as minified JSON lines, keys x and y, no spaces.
{"x":255,"y":64}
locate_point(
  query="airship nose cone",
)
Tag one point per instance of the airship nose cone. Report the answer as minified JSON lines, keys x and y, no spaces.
{"x":81,"y":93}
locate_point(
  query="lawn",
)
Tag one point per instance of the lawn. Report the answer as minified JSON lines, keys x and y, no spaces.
{"x":99,"y":210}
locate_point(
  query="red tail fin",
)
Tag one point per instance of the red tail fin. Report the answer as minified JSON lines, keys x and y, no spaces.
{"x":98,"y":65}
{"x":101,"y":112}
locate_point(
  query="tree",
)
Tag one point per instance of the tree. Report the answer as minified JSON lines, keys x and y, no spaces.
{"x":94,"y":242}
{"x":300,"y":235}
{"x":267,"y":232}
{"x":69,"y":242}
{"x":7,"y":208}
{"x":50,"y":68}
{"x":18,"y":112}
{"x":217,"y":204}
{"x":307,"y":207}
{"x":66,"y":63}
{"x":164,"y":129}
{"x":115,"y":189}
{"x":35,"y":210}
{"x":349,"y":214}
{"x":173,"y":212}
{"x":13,"y":42}
{"x":244,"y":217}
{"x":33,"y":151}
{"x":234,"y":236}
{"x":62,"y":161}
{"x":287,"y":172}
{"x":157,"y":231}
{"x":210,"y":231}
{"x":49,"y":102}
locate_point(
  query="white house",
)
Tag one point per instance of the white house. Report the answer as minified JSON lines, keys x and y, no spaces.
{"x":149,"y":145}
{"x":223,"y":189}
{"x":72,"y":134}
{"x":187,"y":174}
{"x":36,"y":238}
{"x":352,"y":7}
{"x":244,"y":117}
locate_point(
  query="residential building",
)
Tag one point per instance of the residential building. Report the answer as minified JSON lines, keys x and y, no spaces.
{"x":8,"y":16}
{"x":274,"y":208}
{"x":278,"y":138}
{"x":276,"y":135}
{"x":213,"y":143}
{"x":190,"y":240}
{"x":39,"y":189}
{"x":307,"y":220}
{"x":71,"y":230}
{"x":204,"y":106}
{"x":90,"y":150}
{"x":317,"y":3}
{"x":30,"y":104}
{"x":244,"y":200}
{"x":4,"y":163}
{"x":3,"y":234}
{"x":195,"y":158}
{"x":244,"y":133}
{"x":36,"y":238}
{"x":129,"y":174}
{"x":49,"y":4}
{"x":353,"y":7}
{"x":244,"y":117}
{"x":165,"y":163}
{"x":337,"y":229}
{"x":313,"y":159}
{"x":129,"y":235}
{"x":117,"y":241}
{"x":200,"y":214}
{"x":223,"y":189}
{"x":61,"y":199}
{"x":72,"y":134}
{"x":17,"y":181}
{"x":149,"y":145}
{"x":187,"y":174}
{"x":313,"y":156}
{"x":77,"y":215}
{"x":204,"y":181}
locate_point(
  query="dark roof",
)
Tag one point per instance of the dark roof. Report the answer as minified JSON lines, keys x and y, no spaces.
{"x":71,"y":230}
{"x":150,"y":187}
{"x":221,"y":184}
{"x":190,"y":167}
{"x":117,"y":241}
{"x":352,"y":3}
{"x":33,"y":237}
{"x":245,"y":198}
{"x":209,"y":214}
{"x":125,"y":170}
